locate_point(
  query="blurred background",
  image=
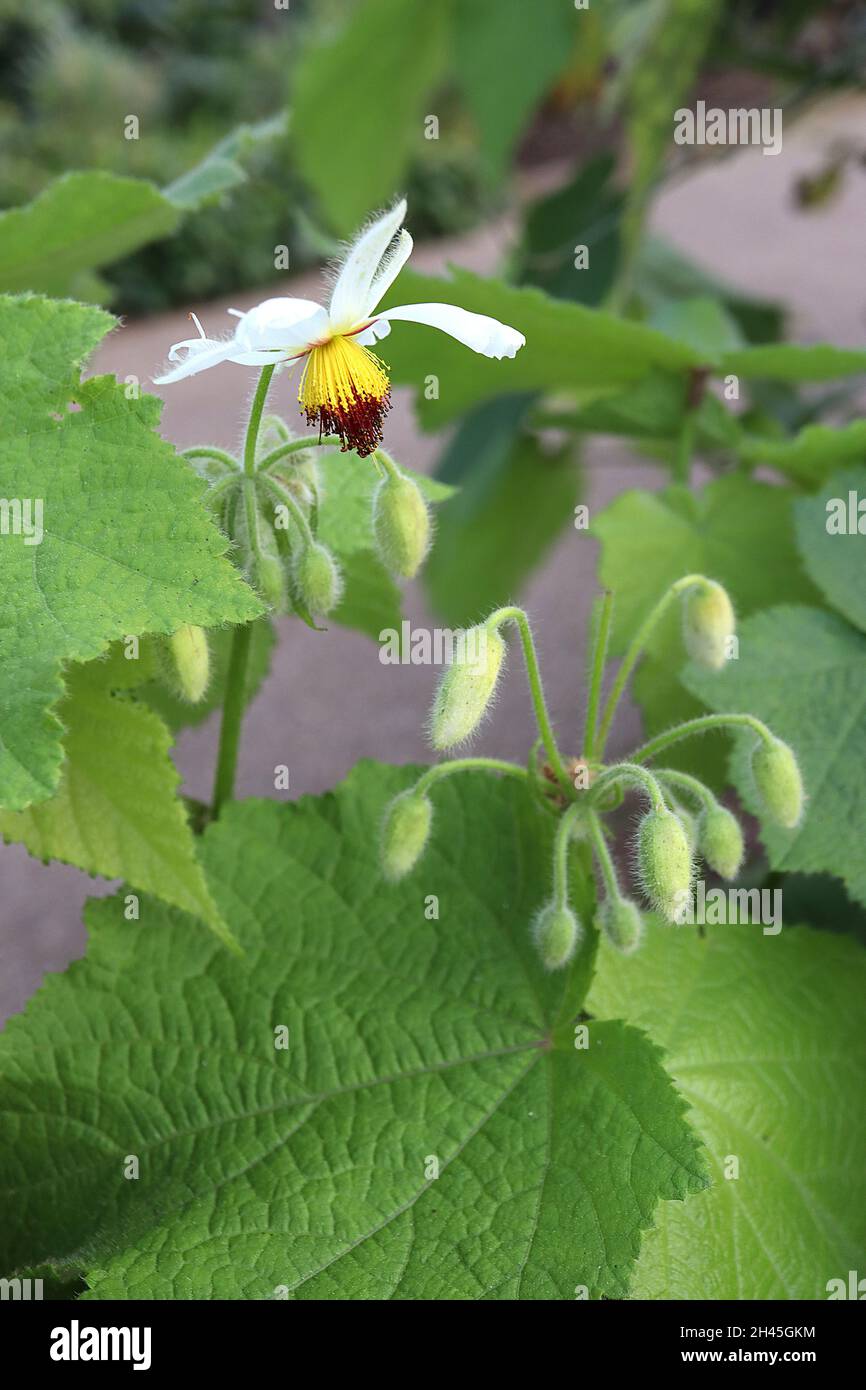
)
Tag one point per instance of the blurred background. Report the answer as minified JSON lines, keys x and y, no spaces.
{"x":262,"y":134}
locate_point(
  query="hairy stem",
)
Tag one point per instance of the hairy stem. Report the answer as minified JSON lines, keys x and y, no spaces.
{"x":561,"y":842}
{"x":255,"y":420}
{"x":633,"y":776}
{"x":236,"y":677}
{"x":533,"y":674}
{"x":635,"y":648}
{"x":702,"y":725}
{"x":440,"y":770}
{"x":688,"y":784}
{"x":233,"y":713}
{"x":284,"y":496}
{"x":296,"y":446}
{"x":602,"y":854}
{"x":602,"y":616}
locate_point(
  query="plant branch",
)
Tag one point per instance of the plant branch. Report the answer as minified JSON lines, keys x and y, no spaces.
{"x":533,"y":673}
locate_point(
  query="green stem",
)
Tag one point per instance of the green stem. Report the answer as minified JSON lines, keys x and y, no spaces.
{"x":533,"y":673}
{"x":602,"y":854}
{"x":233,"y":713}
{"x":633,"y":776}
{"x":635,"y":648}
{"x":440,"y":770}
{"x":602,"y":616}
{"x":295,"y":446}
{"x":255,"y":420}
{"x":284,"y":496}
{"x":560,"y":855}
{"x":234,"y":702}
{"x":688,"y":784}
{"x":208,"y":451}
{"x":703,"y":724}
{"x":685,"y":444}
{"x":385,"y":461}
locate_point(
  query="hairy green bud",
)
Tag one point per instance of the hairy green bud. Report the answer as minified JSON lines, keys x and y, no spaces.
{"x":317,"y":579}
{"x":721,"y":840}
{"x":401,"y":525}
{"x":664,"y":861}
{"x":271,"y":581}
{"x":405,"y":831}
{"x":467,"y":687}
{"x":190,"y":661}
{"x":708,"y":623}
{"x":556,"y":932}
{"x":777,"y":778}
{"x":622,"y":924}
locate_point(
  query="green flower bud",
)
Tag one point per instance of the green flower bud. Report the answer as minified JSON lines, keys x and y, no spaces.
{"x":556,"y":932}
{"x":191,"y":661}
{"x":777,"y":778}
{"x":405,"y":831}
{"x":622,"y":924}
{"x":401,"y":525}
{"x":467,"y":687}
{"x":721,"y":841}
{"x":271,"y":581}
{"x":317,"y":578}
{"x":708,"y":623}
{"x":689,"y":823}
{"x":664,"y":861}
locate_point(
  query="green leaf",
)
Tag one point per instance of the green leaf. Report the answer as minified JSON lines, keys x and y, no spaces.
{"x":660,"y":70}
{"x":704,"y":324}
{"x":811,"y":454}
{"x":383,"y":61}
{"x":127,"y":546}
{"x":491,"y":40}
{"x":836,"y":558}
{"x":585,"y":212}
{"x":514,"y":503}
{"x":804,"y":673}
{"x":735,"y":531}
{"x":309,"y":1170}
{"x":79,"y":222}
{"x":180,"y":714}
{"x":371,"y":600}
{"x":568,"y":346}
{"x":222,"y":169}
{"x":116,"y":812}
{"x":764,"y":1037}
{"x":794,"y":362}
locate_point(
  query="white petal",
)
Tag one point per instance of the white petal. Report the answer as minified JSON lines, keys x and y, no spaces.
{"x":288,"y":325}
{"x":372,"y":333}
{"x":390,"y":268}
{"x":201,"y":353}
{"x":351,"y":294}
{"x":480,"y":333}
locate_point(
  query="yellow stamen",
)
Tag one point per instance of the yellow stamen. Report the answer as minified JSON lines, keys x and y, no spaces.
{"x":345,"y":388}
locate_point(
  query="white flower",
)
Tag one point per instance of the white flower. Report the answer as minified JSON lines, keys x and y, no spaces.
{"x":343,"y":386}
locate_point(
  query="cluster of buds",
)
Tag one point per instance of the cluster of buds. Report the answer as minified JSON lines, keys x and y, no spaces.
{"x":670,"y":836}
{"x":268,"y":505}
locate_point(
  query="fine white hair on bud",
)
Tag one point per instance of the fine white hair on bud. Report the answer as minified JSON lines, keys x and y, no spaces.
{"x":778,"y":781}
{"x":621,"y":922}
{"x":467,"y":686}
{"x":556,"y":932}
{"x":401,"y":525}
{"x":708,"y":624}
{"x":720,"y":839}
{"x":317,"y":579}
{"x":405,"y":831}
{"x":664,"y":860}
{"x":191,"y":661}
